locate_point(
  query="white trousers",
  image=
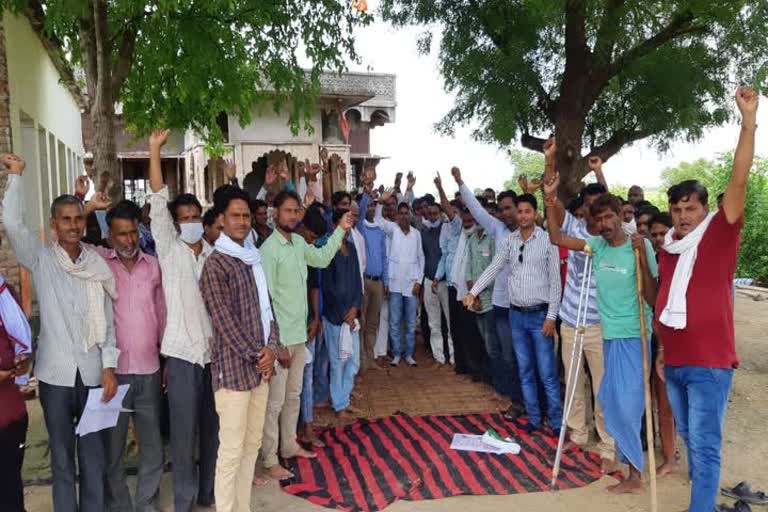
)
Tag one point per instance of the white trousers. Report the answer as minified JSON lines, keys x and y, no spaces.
{"x":382,"y":337}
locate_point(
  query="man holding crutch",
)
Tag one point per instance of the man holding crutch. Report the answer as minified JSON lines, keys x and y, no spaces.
{"x":695,"y":309}
{"x":622,"y":391}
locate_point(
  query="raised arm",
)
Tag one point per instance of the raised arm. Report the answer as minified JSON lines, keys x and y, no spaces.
{"x":320,"y":257}
{"x":387,"y":226}
{"x":596,"y":165}
{"x":156,"y":142}
{"x":736,"y":192}
{"x":444,"y":202}
{"x":214,"y":287}
{"x":490,"y":223}
{"x":26,"y":245}
{"x":556,"y":235}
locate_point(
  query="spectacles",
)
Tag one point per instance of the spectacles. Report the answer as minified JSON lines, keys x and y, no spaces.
{"x":520,"y":256}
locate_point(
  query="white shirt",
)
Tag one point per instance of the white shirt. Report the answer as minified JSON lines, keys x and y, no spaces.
{"x":406,"y":258}
{"x":188,"y":327}
{"x":63,"y":301}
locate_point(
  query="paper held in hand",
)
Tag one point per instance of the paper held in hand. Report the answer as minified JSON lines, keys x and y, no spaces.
{"x":98,"y":415}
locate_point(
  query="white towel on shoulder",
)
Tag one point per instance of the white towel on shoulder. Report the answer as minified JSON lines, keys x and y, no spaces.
{"x":675,"y":311}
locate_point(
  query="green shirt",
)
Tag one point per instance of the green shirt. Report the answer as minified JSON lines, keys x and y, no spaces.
{"x":481,"y":251}
{"x":614,"y":269}
{"x":285,"y":265}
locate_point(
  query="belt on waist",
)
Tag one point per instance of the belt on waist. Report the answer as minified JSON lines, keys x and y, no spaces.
{"x":372,"y":278}
{"x":530,"y":309}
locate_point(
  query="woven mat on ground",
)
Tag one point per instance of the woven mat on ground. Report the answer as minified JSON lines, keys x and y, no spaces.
{"x":370,"y":464}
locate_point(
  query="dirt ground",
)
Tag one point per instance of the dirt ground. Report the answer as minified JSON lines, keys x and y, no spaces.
{"x":745,"y":445}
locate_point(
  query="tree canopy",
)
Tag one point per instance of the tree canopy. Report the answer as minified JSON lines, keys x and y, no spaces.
{"x":181,"y":64}
{"x":601,"y":74}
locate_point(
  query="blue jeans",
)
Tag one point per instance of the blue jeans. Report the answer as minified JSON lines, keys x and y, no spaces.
{"x":699,"y":397}
{"x":402,"y":308}
{"x":510,"y":383}
{"x":536,"y":352}
{"x":320,"y":369}
{"x":342,"y":372}
{"x":306,"y":410}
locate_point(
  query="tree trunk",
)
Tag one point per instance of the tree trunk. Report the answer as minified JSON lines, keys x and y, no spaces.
{"x":569,"y":131}
{"x":105,"y":151}
{"x":96,"y":49}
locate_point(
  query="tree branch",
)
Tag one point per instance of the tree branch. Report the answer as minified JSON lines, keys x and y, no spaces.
{"x":543,"y":98}
{"x":618,"y":140}
{"x":606,"y":33}
{"x":124,"y":60}
{"x":88,"y":55}
{"x":680,"y":24}
{"x":533,"y":143}
{"x":576,"y":32}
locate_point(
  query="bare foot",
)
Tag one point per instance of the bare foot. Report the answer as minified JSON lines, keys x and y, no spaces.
{"x":278,"y":472}
{"x":317,"y":442}
{"x":627,"y":486}
{"x":375,"y":366}
{"x":666,"y":469}
{"x":354,"y":410}
{"x":357,"y":395}
{"x":571,"y":445}
{"x":304,"y":454}
{"x":607,"y":466}
{"x":345,"y":416}
{"x":260,"y":481}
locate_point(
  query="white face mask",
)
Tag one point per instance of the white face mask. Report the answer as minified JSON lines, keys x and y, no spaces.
{"x":191,"y":232}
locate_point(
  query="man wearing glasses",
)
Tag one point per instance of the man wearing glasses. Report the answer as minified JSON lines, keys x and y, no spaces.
{"x":534,"y":295}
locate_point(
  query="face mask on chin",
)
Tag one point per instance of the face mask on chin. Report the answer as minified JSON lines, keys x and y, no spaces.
{"x":191,"y":232}
{"x":432,"y":224}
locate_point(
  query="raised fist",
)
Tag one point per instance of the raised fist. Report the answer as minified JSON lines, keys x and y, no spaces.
{"x":456,"y":173}
{"x":747,"y":100}
{"x":82,"y":185}
{"x":550,"y":148}
{"x":230,"y":170}
{"x":14,"y":163}
{"x":595,"y":163}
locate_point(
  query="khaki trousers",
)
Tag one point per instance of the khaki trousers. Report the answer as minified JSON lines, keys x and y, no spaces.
{"x":577,"y":420}
{"x":283,"y":407}
{"x":370,"y":315}
{"x":241,"y":422}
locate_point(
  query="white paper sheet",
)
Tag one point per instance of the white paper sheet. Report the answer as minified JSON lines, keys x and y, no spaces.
{"x":99,"y":416}
{"x":475,"y":443}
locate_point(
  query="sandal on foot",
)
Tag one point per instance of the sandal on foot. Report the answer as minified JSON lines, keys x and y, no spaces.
{"x":740,"y":506}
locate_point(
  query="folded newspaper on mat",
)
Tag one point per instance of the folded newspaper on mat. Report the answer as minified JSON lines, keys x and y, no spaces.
{"x":485,"y":443}
{"x":98,"y":415}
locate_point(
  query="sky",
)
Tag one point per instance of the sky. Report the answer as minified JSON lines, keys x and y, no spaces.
{"x":411,"y":142}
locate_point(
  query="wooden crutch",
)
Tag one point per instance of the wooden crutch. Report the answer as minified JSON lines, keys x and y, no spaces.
{"x":646,"y":384}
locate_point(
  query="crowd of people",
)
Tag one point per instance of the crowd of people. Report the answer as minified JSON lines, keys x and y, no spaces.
{"x":253,"y":313}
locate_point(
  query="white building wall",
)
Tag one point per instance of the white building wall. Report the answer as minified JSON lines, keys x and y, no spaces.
{"x":45,"y":120}
{"x":268,"y":127}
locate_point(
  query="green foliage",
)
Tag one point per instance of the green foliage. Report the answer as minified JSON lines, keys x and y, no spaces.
{"x":714,"y":174}
{"x":192,"y":60}
{"x":528,"y":163}
{"x":624,"y":70}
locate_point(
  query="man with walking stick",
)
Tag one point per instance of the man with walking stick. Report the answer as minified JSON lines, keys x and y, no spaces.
{"x":694,"y":314}
{"x":622,"y":392}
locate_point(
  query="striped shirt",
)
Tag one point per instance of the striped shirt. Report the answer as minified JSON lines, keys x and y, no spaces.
{"x":229,"y":291}
{"x":577,"y":228}
{"x":533,"y":281}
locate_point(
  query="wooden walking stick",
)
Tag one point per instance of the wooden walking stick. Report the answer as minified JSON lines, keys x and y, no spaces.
{"x":646,"y":384}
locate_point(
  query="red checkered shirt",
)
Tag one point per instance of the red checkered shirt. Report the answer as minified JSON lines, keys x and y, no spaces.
{"x":229,"y":291}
